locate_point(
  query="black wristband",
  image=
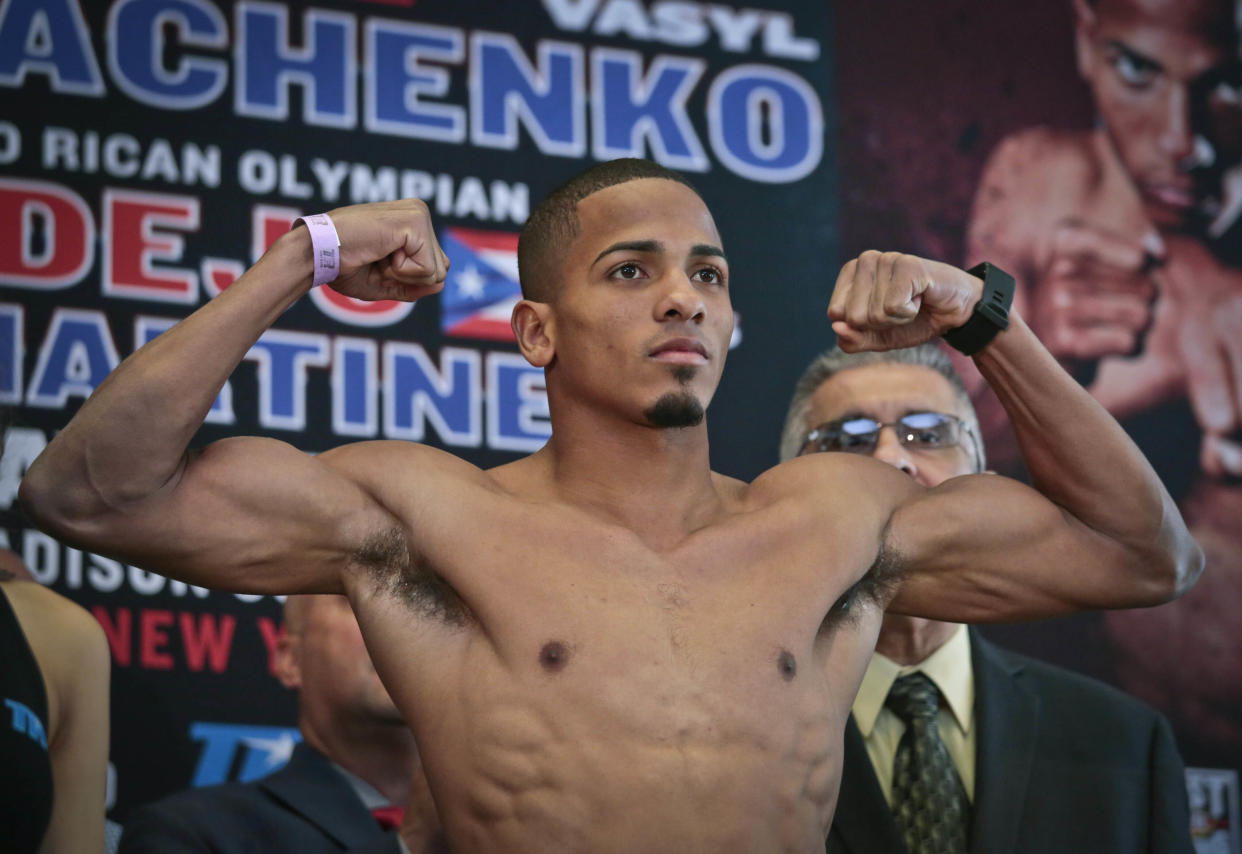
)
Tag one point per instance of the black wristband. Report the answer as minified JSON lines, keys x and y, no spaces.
{"x":991,"y":313}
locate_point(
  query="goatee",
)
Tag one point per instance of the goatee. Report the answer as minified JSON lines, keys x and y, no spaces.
{"x":675,"y":409}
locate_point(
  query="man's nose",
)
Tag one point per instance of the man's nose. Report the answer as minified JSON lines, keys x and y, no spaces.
{"x":889,"y":450}
{"x":1177,"y":136}
{"x":681,"y":301}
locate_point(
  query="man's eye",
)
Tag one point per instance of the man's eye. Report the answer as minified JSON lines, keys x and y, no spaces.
{"x":628,"y":271}
{"x":1134,"y":70}
{"x":710,"y":275}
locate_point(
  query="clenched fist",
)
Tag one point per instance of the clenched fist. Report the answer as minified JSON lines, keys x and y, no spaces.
{"x":388,"y":251}
{"x":889,"y":300}
{"x":1096,"y":296}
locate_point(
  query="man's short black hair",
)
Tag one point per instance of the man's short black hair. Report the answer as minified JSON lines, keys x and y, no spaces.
{"x":554,"y":221}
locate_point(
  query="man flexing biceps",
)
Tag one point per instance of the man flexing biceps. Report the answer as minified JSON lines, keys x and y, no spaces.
{"x":605,"y":646}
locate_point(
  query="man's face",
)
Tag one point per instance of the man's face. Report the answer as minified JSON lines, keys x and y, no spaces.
{"x":885,"y":393}
{"x":644,"y":311}
{"x":1166,"y":79}
{"x":330,"y":666}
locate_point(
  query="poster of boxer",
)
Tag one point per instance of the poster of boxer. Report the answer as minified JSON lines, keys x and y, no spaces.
{"x":1094,"y":149}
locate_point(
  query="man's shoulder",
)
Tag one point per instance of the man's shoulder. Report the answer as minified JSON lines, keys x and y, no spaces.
{"x":1041,"y":147}
{"x":1044,"y":162}
{"x":201,"y":816}
{"x":832,"y":474}
{"x":1077,"y":694}
{"x":205,"y":799}
{"x":387,"y":454}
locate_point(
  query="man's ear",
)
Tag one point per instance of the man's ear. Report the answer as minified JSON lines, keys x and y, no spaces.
{"x":533,"y":327}
{"x":287,"y":659}
{"x":1084,"y":29}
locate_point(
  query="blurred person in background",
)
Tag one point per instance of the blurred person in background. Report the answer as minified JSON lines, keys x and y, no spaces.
{"x":1027,"y":758}
{"x":353,"y":784}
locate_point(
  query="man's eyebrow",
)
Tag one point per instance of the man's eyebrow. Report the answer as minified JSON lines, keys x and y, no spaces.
{"x":848,"y":415}
{"x":633,"y":246}
{"x":707,"y":249}
{"x":1122,"y":47}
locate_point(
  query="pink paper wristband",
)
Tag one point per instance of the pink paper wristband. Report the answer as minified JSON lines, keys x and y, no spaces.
{"x":325,"y":246}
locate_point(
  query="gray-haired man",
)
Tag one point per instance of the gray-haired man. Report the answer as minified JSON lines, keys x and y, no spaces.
{"x":1025,"y":757}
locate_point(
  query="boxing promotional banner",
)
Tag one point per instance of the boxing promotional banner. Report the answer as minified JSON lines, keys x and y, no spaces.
{"x":150,"y":150}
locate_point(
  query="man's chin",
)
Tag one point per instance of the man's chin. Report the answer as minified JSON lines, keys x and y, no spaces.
{"x":675,"y":409}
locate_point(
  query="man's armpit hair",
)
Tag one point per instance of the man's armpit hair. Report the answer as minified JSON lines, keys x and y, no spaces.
{"x":410,"y":580}
{"x":878,"y":586}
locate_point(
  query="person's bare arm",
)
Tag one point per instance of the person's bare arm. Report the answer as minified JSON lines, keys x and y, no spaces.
{"x":72,"y":654}
{"x":249,"y":513}
{"x":1098,"y":530}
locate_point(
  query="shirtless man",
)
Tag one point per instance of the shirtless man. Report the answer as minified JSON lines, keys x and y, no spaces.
{"x":1127,"y":245}
{"x":605,"y":646}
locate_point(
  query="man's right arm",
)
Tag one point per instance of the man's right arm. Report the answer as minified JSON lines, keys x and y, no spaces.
{"x":247,"y":514}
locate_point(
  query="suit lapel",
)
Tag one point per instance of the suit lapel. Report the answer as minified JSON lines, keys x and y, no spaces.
{"x":1007,"y":715}
{"x":863,"y":820}
{"x":311,"y":787}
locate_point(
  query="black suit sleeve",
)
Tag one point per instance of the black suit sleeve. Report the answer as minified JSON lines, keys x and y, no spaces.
{"x":1169,"y":817}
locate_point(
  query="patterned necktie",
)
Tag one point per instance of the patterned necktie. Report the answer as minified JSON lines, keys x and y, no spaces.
{"x":929,"y":801}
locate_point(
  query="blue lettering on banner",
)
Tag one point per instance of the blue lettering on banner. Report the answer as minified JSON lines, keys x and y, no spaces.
{"x":736,"y":106}
{"x":550,"y":101}
{"x":651,"y":108}
{"x":27,"y":722}
{"x":326,"y":68}
{"x":76,"y":355}
{"x":147,"y":328}
{"x":355,"y":393}
{"x":283,"y":358}
{"x":395,"y":80}
{"x":136,"y":50}
{"x":764,"y":123}
{"x":263,"y":749}
{"x":12,"y":353}
{"x":416,"y":392}
{"x":517,"y":404}
{"x":49,"y":37}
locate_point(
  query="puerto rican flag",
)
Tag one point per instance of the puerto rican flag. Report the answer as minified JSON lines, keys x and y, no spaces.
{"x":482,"y":285}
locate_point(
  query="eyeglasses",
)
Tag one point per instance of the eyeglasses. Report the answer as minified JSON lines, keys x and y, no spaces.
{"x":857,"y":434}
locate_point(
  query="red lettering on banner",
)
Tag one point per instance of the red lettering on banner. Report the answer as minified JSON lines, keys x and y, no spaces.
{"x":358,"y":312}
{"x":268,"y":222}
{"x":153,"y":640}
{"x":207,"y":641}
{"x":120,"y":632}
{"x":132,"y":242}
{"x":272,"y":634}
{"x":219,"y":273}
{"x":48,"y":234}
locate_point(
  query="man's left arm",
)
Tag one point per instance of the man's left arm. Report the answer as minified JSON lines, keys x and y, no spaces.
{"x":1098,"y":530}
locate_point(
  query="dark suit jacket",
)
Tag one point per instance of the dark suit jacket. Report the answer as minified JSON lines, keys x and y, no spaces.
{"x":307,"y":807}
{"x":1063,"y":765}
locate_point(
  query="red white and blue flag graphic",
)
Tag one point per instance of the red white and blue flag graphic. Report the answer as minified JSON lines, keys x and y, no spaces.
{"x":482,"y":285}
